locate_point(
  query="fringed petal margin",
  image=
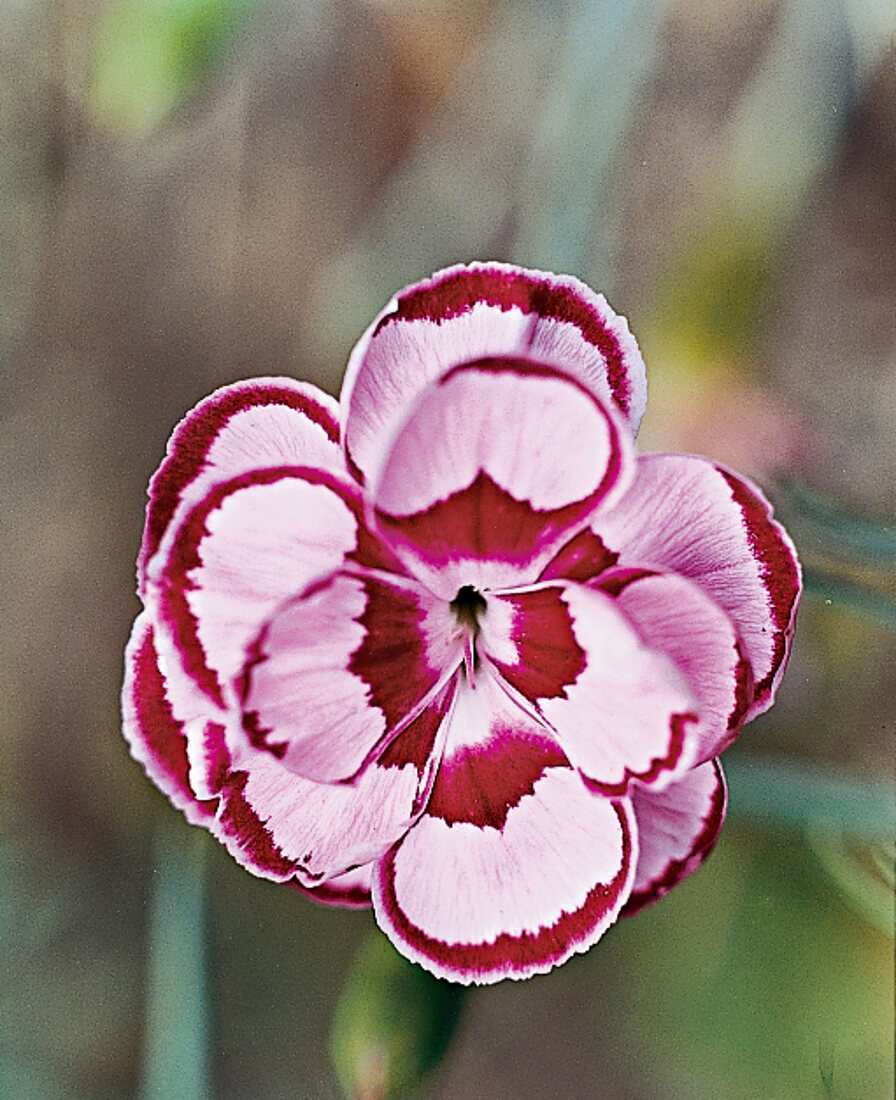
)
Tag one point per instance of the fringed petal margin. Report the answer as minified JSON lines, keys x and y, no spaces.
{"x":156,"y":738}
{"x":621,"y":709}
{"x":249,"y":545}
{"x":674,"y":616}
{"x":677,"y":829}
{"x":338,"y":672}
{"x":515,"y":865}
{"x":279,"y":825}
{"x":470,"y":312}
{"x":348,"y":891}
{"x":239,"y":428}
{"x":686,"y":515}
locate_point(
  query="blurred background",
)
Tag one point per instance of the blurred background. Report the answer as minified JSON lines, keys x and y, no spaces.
{"x":194,"y":191}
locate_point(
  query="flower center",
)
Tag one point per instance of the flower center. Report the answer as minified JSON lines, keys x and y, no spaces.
{"x":467,"y":606}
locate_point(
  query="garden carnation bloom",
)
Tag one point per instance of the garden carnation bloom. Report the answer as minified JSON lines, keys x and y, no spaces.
{"x":450,"y":647}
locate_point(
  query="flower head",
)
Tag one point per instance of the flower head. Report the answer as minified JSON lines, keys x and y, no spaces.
{"x":451,"y":647}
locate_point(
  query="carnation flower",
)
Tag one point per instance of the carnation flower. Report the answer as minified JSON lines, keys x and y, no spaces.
{"x":451,"y":647}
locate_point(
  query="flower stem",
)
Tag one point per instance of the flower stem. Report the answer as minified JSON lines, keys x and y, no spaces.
{"x":175,"y":1053}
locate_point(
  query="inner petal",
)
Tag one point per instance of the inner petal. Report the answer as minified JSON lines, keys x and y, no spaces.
{"x":279,"y":823}
{"x":494,"y":755}
{"x":515,"y":864}
{"x":621,"y":709}
{"x":467,"y":312}
{"x":340,"y":671}
{"x":498,"y":463}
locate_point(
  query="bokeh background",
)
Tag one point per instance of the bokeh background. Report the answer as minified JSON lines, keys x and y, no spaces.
{"x":194,"y":191}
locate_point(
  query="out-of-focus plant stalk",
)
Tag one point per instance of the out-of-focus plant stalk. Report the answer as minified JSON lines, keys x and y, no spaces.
{"x":175,"y":1053}
{"x":848,"y":559}
{"x":784,"y":793}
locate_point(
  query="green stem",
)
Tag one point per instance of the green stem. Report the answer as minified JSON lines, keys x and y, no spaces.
{"x":782,"y":792}
{"x":175,"y":1055}
{"x":862,"y":599}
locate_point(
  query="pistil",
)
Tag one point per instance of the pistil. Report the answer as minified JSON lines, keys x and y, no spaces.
{"x":467,"y":606}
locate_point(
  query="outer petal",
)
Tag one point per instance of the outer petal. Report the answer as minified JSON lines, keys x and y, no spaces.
{"x":350,"y":890}
{"x":247,"y":426}
{"x":495,"y":465}
{"x":484,"y":310}
{"x":155,"y":736}
{"x":279,"y":825}
{"x":676,"y":617}
{"x":686,"y":515}
{"x":677,"y":829}
{"x":515,"y":865}
{"x":338,"y":672}
{"x":622,"y":710}
{"x":250,"y":544}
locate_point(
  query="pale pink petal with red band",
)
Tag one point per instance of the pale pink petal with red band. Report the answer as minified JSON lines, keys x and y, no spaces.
{"x":246,"y":426}
{"x":677,"y":829}
{"x":496,"y":465}
{"x":249,"y":545}
{"x":334,"y":674}
{"x":515,"y":865}
{"x":156,"y":738}
{"x":350,"y":891}
{"x":684,"y":514}
{"x":676,"y":617}
{"x":279,"y":824}
{"x":467,"y":313}
{"x":622,"y":710}
{"x":580,"y":559}
{"x":202,"y":722}
{"x":210,"y":758}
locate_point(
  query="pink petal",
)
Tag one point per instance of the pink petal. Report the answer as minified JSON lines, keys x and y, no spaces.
{"x":156,"y":738}
{"x":580,"y":559}
{"x":676,"y":617}
{"x":247,"y":426}
{"x":677,"y":829}
{"x":210,"y":758}
{"x":515,"y":865}
{"x":278,"y":824}
{"x":249,"y":545}
{"x":351,"y":890}
{"x":493,"y":467}
{"x":338,"y":672}
{"x":686,"y":515}
{"x":483,"y":311}
{"x":621,"y":709}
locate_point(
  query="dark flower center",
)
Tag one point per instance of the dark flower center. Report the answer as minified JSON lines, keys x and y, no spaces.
{"x":467,"y":606}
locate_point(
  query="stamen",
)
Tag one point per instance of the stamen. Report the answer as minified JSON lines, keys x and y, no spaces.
{"x":470,"y":659}
{"x":467,"y":606}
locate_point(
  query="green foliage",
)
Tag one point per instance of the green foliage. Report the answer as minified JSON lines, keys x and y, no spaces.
{"x":848,"y":823}
{"x":392,"y":1025}
{"x":848,"y":559}
{"x":752,"y":979}
{"x":149,"y":57}
{"x":863,"y":871}
{"x":787,"y":794}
